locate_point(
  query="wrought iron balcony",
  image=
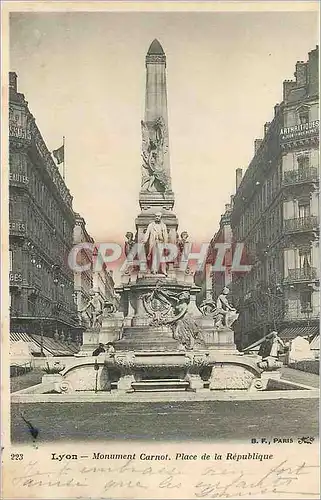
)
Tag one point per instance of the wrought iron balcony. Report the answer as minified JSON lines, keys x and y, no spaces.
{"x":300,"y":176}
{"x":301,"y":224}
{"x":297,"y":274}
{"x":302,"y":131}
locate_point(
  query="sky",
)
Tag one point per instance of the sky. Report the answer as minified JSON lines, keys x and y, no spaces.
{"x":83,"y":75}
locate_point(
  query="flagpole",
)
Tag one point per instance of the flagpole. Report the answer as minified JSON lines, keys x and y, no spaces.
{"x":63,"y":163}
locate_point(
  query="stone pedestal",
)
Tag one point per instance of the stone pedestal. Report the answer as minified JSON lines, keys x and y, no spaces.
{"x":192,"y":307}
{"x":111,"y":328}
{"x":214,"y":338}
{"x":125,"y":362}
{"x":130,"y":315}
{"x":90,"y":342}
{"x":125,"y":383}
{"x":152,"y":338}
{"x":51,"y":377}
{"x":195,"y":381}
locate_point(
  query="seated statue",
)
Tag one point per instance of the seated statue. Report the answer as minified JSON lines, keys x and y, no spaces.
{"x":94,"y":310}
{"x":225,"y":313}
{"x":222,"y":311}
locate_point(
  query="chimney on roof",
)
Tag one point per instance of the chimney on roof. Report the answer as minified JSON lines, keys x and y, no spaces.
{"x":257,"y":144}
{"x":239,"y":174}
{"x":13,"y":80}
{"x":266,"y":127}
{"x":288,"y":85}
{"x":301,"y":73}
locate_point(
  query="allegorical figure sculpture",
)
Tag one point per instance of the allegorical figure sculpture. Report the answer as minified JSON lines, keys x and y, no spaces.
{"x":225,"y":313}
{"x":94,"y":310}
{"x":155,"y":177}
{"x":129,"y":243}
{"x":170,"y":308}
{"x":181,"y":243}
{"x":156,"y":234}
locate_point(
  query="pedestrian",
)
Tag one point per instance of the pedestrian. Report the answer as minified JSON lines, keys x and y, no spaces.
{"x":100,"y":349}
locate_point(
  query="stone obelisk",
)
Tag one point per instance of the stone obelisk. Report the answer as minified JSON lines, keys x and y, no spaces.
{"x":156,"y":193}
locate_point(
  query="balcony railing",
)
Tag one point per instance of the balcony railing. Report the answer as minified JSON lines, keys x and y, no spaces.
{"x":301,"y":224}
{"x":301,"y":274}
{"x":300,"y":176}
{"x":301,"y":131}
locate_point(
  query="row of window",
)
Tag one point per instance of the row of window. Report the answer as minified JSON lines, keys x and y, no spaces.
{"x":48,"y":203}
{"x":259,"y":203}
{"x":274,"y":310}
{"x":22,"y":168}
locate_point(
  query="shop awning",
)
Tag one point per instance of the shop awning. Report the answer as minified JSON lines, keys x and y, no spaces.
{"x":55,"y":347}
{"x":25,"y":337}
{"x":291,"y":332}
{"x":315,"y":343}
{"x":51,"y":347}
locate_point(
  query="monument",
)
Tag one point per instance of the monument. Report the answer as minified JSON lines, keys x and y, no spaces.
{"x":162,"y":340}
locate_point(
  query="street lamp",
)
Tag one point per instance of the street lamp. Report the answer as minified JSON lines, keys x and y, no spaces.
{"x":41,"y":337}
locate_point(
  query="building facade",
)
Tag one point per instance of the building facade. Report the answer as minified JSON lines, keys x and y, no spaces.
{"x":224,"y":239}
{"x":275,"y":214}
{"x":40,"y":231}
{"x":83,"y":280}
{"x":88,"y":280}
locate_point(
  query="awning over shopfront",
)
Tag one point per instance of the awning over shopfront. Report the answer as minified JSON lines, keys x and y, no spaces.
{"x":291,"y":332}
{"x":25,"y":337}
{"x":51,"y":347}
{"x":55,"y":347}
{"x":315,"y":343}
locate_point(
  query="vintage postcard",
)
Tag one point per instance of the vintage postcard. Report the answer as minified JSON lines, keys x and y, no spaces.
{"x":160,"y":250}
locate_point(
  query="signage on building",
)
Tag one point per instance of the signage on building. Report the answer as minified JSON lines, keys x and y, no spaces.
{"x":302,"y":130}
{"x":18,"y":131}
{"x":15,"y":277}
{"x":18,"y":178}
{"x":17,"y":227}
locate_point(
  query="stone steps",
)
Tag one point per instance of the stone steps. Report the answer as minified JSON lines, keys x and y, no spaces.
{"x":160,"y":385}
{"x":147,"y":346}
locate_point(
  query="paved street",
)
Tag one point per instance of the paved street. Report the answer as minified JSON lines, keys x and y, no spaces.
{"x":211,"y":420}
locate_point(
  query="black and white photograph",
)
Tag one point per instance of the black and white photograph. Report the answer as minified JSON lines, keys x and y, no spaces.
{"x":160,"y":247}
